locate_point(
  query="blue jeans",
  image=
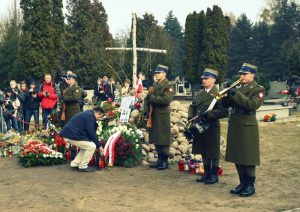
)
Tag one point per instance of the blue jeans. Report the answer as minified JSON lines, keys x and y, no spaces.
{"x":12,"y":121}
{"x":45,"y":114}
{"x":28,"y":116}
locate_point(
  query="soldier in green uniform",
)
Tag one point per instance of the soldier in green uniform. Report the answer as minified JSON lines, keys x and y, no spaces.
{"x":243,"y":136}
{"x":71,"y":97}
{"x":157,"y":108}
{"x":208,"y":143}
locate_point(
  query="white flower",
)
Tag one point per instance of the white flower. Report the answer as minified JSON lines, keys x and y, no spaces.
{"x":136,"y":140}
{"x":52,"y":139}
{"x":98,"y":133}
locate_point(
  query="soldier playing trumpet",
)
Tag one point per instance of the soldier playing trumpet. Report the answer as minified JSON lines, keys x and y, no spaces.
{"x":208,"y":143}
{"x":243,"y":137}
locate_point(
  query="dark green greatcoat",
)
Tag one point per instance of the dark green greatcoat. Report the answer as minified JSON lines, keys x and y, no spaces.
{"x":71,"y":97}
{"x":208,"y":143}
{"x":243,"y":135}
{"x":160,"y":132}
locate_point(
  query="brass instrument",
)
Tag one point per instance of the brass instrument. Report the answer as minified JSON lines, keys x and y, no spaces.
{"x":222,"y":93}
{"x":194,"y":129}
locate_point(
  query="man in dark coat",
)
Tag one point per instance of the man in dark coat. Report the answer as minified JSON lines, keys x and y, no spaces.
{"x":157,"y":103}
{"x":81,"y":132}
{"x":208,"y":143}
{"x":71,"y":97}
{"x":243,"y":136}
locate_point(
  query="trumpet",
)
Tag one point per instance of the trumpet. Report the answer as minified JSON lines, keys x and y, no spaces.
{"x":222,"y":93}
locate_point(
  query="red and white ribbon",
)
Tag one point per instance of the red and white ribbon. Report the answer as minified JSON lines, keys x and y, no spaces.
{"x":109,"y":149}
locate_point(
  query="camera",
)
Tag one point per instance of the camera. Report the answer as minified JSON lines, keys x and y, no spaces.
{"x":63,"y":77}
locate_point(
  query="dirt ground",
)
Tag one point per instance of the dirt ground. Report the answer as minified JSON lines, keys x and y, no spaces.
{"x":58,"y":188}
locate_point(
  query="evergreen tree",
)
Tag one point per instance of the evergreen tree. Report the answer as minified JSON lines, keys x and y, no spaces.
{"x":284,"y":33}
{"x":87,"y":36}
{"x":240,"y":45}
{"x":9,"y":51}
{"x":262,"y":48}
{"x":37,"y":39}
{"x":215,"y":42}
{"x":193,"y":40}
{"x":58,"y":27}
{"x":174,"y":29}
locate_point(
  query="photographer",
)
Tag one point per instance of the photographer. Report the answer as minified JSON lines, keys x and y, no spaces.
{"x":11,"y":106}
{"x":32,"y":104}
{"x":49,"y":94}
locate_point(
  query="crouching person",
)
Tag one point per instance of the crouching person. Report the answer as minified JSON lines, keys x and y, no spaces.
{"x":81,"y":132}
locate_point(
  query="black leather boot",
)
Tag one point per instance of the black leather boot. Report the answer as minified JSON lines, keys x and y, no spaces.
{"x":239,"y":188}
{"x":205,"y":176}
{"x":213,"y":177}
{"x":248,"y":189}
{"x":154,"y":165}
{"x":164,"y":162}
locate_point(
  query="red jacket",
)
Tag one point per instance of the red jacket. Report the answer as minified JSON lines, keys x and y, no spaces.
{"x":49,"y":101}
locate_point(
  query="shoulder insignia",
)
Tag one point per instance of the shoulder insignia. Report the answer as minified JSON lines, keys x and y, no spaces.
{"x":77,"y":91}
{"x":260,"y":94}
{"x":170,"y":90}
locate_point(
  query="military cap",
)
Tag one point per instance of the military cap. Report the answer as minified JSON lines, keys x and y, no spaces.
{"x":74,"y":76}
{"x":210,"y":73}
{"x":248,"y":68}
{"x":161,"y":68}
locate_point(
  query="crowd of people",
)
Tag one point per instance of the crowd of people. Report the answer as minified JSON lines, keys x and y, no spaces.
{"x":80,"y":128}
{"x":22,"y":101}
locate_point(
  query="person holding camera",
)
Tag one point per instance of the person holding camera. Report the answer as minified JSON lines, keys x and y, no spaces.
{"x":32,"y":105}
{"x":208,"y":143}
{"x":11,"y":106}
{"x":49,"y":94}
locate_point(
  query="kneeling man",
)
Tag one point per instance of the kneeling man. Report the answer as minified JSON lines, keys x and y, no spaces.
{"x":81,"y":132}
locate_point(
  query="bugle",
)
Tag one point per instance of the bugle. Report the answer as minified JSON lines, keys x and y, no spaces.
{"x":220,"y":94}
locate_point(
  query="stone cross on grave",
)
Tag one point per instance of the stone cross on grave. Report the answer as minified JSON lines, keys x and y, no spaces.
{"x":134,"y":50}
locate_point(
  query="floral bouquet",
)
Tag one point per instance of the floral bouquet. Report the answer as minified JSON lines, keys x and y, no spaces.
{"x":270,"y":117}
{"x":36,"y":153}
{"x":285,"y":94}
{"x":127,"y":148}
{"x":111,"y":109}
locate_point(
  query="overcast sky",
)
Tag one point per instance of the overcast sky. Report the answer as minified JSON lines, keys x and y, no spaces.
{"x":120,"y":11}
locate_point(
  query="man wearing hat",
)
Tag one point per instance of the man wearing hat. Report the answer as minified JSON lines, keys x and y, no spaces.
{"x":208,"y":143}
{"x":243,"y":136}
{"x":71,"y":97}
{"x":157,"y":110}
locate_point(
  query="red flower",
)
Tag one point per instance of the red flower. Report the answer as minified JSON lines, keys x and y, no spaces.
{"x":137,"y":105}
{"x":109,"y":99}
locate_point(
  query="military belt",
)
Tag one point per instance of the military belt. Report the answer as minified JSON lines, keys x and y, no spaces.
{"x":236,"y":110}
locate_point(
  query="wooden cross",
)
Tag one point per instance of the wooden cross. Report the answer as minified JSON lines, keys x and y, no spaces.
{"x":134,"y":50}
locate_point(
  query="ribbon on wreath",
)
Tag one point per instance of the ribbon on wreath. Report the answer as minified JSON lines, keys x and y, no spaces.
{"x":109,"y":149}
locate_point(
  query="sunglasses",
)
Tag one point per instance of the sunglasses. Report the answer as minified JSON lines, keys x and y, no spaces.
{"x":244,"y":73}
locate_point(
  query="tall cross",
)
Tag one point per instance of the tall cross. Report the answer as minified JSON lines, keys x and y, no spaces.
{"x":134,"y":50}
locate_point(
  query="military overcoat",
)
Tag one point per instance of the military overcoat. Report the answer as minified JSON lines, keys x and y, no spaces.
{"x":208,"y":143}
{"x":243,"y":135}
{"x":160,"y":132}
{"x":71,"y":98}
